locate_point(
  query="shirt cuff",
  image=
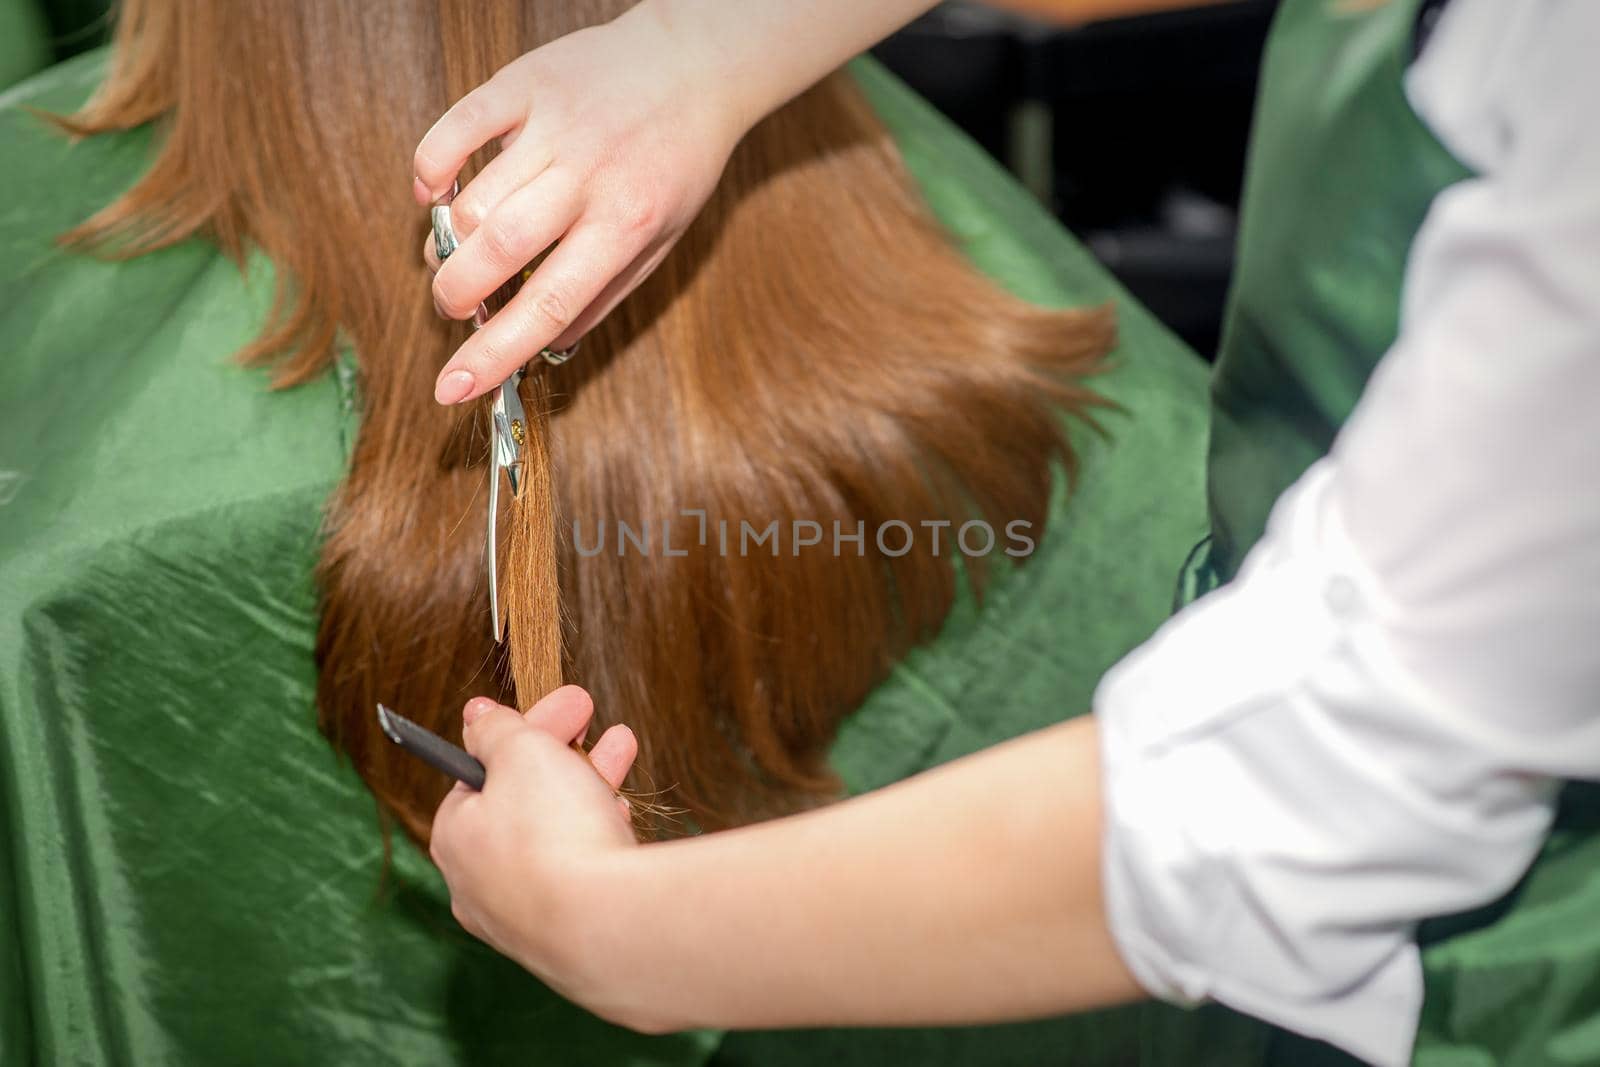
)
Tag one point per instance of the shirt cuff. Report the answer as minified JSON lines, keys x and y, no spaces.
{"x":1283,"y":805}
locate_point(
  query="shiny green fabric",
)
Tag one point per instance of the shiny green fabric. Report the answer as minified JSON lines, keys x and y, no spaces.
{"x":187,"y":874}
{"x":1342,"y":172}
{"x":24,"y":41}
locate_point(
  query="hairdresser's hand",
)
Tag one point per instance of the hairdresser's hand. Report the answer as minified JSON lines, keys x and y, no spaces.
{"x":517,"y":855}
{"x":613,"y":138}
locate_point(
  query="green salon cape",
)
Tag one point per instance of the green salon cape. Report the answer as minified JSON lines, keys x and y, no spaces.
{"x":24,"y":41}
{"x":187,"y":873}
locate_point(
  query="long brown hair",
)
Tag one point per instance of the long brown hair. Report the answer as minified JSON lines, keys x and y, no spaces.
{"x":814,"y":350}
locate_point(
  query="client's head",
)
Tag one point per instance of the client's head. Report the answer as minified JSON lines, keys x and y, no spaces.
{"x":814,"y":354}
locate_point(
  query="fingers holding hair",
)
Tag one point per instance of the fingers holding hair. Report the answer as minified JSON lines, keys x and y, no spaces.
{"x":522,"y":226}
{"x":472,"y":122}
{"x":488,"y":727}
{"x":613,"y":755}
{"x":514,"y":168}
{"x":544,"y":312}
{"x":563,"y":713}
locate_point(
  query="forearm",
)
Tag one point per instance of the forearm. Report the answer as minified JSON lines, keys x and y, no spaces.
{"x":761,"y":53}
{"x":968,"y":894}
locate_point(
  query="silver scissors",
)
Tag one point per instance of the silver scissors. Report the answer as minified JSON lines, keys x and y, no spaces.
{"x":508,"y":426}
{"x":510,"y":434}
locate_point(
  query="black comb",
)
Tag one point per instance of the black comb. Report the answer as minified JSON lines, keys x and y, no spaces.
{"x":431,"y":749}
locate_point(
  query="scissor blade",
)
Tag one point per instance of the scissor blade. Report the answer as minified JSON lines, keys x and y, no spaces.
{"x":492,"y":544}
{"x":508,"y":427}
{"x":510,"y":432}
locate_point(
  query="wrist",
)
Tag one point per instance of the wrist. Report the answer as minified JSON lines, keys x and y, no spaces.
{"x":586,"y":945}
{"x":706,"y":71}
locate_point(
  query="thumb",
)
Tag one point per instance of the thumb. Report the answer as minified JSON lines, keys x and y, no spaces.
{"x":487,"y":727}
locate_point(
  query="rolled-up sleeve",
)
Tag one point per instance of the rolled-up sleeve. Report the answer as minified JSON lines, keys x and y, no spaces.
{"x":1284,"y":802}
{"x":1368,"y":726}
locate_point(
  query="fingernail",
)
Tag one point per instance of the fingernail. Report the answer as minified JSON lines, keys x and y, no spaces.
{"x":475,"y":708}
{"x":420,"y":191}
{"x":453,"y":387}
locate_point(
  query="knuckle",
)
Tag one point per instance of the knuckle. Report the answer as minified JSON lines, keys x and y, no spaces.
{"x":532,"y":744}
{"x":448,"y":302}
{"x":466,"y":212}
{"x":467,"y":113}
{"x":505,"y":78}
{"x":502,"y":241}
{"x":492,"y":355}
{"x":638,"y":214}
{"x":520,"y":747}
{"x":552,"y":308}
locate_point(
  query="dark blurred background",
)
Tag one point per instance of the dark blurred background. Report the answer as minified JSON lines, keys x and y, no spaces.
{"x":1133,"y":131}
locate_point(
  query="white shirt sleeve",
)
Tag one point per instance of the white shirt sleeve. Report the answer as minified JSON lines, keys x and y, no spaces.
{"x":1367,"y":727}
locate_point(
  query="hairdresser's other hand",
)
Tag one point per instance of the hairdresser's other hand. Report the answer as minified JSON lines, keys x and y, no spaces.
{"x":545,"y":823}
{"x":612,"y":139}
